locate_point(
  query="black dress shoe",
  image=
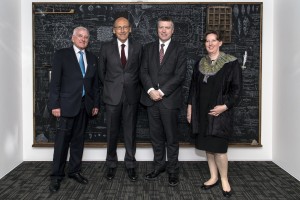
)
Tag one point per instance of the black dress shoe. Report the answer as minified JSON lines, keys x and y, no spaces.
{"x":54,"y":185}
{"x":173,"y":180}
{"x":131,"y":174}
{"x":79,"y":178}
{"x":227,"y":194}
{"x":207,"y":187}
{"x":110,"y":174}
{"x":152,"y":176}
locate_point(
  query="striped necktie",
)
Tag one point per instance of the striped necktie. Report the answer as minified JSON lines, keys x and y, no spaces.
{"x":161,"y":53}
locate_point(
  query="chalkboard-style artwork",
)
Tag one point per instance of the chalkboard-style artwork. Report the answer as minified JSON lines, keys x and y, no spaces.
{"x":53,"y":24}
{"x":219,"y":18}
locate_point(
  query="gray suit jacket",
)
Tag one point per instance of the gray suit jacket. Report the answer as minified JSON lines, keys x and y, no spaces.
{"x":168,"y":76}
{"x":115,"y":78}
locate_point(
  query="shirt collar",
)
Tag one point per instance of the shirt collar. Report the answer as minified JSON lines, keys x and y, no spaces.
{"x":119,"y":43}
{"x":76,"y":49}
{"x":165,"y":43}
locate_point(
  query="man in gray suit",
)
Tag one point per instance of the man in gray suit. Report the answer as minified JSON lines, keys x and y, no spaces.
{"x":162,"y":75}
{"x":119,"y":67}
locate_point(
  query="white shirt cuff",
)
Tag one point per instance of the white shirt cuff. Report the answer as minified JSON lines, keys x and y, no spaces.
{"x":162,"y":94}
{"x":150,"y":90}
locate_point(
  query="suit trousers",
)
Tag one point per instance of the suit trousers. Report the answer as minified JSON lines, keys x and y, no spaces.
{"x":70,"y":134}
{"x":163,"y":124}
{"x":125,"y":114}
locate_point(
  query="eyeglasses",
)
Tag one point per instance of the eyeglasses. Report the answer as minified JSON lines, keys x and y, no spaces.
{"x":125,"y":28}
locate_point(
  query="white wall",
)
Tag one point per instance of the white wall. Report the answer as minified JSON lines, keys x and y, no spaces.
{"x":10,"y":86}
{"x":286,"y":134}
{"x":143,"y":154}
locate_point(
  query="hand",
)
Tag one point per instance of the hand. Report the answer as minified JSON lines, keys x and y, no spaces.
{"x":189,"y":113}
{"x":95,"y":111}
{"x":56,"y":112}
{"x":217,"y":110}
{"x":155,"y":95}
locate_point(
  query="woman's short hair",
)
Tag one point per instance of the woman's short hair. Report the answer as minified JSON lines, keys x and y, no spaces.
{"x":217,"y":33}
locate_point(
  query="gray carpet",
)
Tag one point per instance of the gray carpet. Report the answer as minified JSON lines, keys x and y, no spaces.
{"x":249,"y":180}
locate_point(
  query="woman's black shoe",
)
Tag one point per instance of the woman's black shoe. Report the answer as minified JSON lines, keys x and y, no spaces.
{"x":227,"y":194}
{"x":207,"y":187}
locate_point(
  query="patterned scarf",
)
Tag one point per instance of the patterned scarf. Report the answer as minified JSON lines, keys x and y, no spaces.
{"x":209,"y":68}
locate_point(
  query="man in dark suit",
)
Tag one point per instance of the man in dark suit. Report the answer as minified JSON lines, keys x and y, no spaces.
{"x":162,"y":75}
{"x":119,"y":67}
{"x":74,"y":96}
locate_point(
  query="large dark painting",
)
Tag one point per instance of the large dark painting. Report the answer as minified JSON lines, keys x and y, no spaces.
{"x":241,"y":24}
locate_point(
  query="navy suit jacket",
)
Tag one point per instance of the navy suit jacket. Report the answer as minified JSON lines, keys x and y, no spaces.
{"x":115,"y":78}
{"x":67,"y":81}
{"x":168,"y":76}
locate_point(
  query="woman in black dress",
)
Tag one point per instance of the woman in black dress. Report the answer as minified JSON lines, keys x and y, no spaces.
{"x":215,"y":89}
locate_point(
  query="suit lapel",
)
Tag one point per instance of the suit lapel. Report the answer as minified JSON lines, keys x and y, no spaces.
{"x":116,"y":53}
{"x":75,"y":60}
{"x":156,"y":53}
{"x":130,"y":52}
{"x":88,"y":60}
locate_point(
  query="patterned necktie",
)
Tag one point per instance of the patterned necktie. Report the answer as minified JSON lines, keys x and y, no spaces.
{"x":123,"y":57}
{"x":161,"y":53}
{"x":81,"y":64}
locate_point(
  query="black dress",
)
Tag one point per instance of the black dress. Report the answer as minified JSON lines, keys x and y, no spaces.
{"x":203,"y":141}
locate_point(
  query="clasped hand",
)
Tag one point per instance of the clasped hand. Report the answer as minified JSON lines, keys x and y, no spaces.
{"x":217,"y":110}
{"x":155,"y":95}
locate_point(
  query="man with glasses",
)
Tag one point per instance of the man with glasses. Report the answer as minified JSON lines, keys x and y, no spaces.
{"x":119,"y":67}
{"x":74,"y":96}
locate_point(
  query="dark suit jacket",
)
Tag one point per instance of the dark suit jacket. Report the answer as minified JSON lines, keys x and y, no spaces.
{"x":67,"y":80}
{"x":169,"y":76}
{"x":115,"y":78}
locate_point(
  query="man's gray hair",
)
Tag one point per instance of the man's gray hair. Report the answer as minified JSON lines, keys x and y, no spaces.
{"x":80,"y":28}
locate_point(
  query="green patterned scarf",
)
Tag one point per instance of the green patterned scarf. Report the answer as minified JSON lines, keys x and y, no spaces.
{"x":209,"y":68}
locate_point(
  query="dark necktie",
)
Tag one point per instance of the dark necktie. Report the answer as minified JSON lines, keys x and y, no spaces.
{"x":123,"y":57}
{"x":81,"y":64}
{"x":161,"y":53}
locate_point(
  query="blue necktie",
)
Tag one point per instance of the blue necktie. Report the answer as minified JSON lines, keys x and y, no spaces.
{"x":81,"y":63}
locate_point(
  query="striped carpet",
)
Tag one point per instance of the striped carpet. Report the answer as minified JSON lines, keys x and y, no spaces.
{"x":249,"y":180}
